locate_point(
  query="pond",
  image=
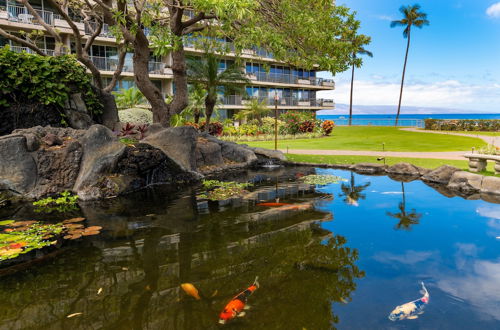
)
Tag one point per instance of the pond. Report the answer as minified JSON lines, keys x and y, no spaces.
{"x":335,"y":256}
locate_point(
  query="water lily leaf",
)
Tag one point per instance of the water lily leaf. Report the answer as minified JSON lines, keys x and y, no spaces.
{"x":93,"y":228}
{"x":23,"y":223}
{"x":68,"y":236}
{"x":6,"y":222}
{"x":90,"y":233}
{"x":73,"y":225}
{"x":76,"y":236}
{"x":73,"y":220}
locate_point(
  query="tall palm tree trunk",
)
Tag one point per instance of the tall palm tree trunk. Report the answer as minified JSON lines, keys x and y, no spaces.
{"x":403,"y":79}
{"x":209,"y":109}
{"x":352,"y":88}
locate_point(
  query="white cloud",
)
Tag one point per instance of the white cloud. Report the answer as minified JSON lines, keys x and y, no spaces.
{"x":494,"y":10}
{"x":441,"y":94}
{"x":385,"y":18}
{"x":410,"y":257}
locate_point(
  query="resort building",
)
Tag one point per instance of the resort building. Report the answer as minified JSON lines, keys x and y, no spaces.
{"x":295,"y":87}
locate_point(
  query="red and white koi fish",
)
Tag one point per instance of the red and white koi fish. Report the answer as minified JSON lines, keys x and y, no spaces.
{"x":411,"y":310}
{"x":236,"y":306}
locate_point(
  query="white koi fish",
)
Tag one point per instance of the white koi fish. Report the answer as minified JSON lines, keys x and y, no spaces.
{"x":411,"y":310}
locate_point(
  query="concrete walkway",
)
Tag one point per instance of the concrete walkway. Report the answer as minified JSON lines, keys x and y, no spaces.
{"x":451,"y":155}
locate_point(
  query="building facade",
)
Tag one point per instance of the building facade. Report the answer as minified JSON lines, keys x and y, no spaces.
{"x":296,"y":88}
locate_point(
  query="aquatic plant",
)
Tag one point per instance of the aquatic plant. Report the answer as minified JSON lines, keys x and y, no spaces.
{"x":220,"y":190}
{"x":64,"y":203}
{"x":322,"y":179}
{"x":21,"y":237}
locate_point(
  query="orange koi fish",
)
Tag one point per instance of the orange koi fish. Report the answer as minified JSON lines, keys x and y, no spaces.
{"x":236,"y":306}
{"x":272,"y":204}
{"x":191,"y":290}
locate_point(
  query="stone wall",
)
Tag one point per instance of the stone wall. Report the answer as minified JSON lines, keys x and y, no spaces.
{"x":94,"y":164}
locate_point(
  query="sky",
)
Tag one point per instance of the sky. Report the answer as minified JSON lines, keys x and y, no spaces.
{"x":453,"y":63}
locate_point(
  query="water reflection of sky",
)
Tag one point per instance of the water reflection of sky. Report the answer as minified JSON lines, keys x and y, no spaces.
{"x":453,"y":249}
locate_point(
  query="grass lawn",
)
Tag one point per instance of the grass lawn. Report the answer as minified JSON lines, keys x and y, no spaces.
{"x":473,"y":133}
{"x":422,"y":162}
{"x":371,"y":139}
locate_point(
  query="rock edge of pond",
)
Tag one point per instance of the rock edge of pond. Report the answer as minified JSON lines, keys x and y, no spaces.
{"x":94,"y":163}
{"x":448,"y":180}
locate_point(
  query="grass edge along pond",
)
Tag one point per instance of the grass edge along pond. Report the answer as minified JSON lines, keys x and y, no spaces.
{"x":372,"y":138}
{"x":422,"y":162}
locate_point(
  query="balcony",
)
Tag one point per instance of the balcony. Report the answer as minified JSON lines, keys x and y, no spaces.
{"x":19,"y":49}
{"x":238,"y":100}
{"x":21,"y":14}
{"x":110,"y":64}
{"x":281,"y":78}
{"x":92,"y":26}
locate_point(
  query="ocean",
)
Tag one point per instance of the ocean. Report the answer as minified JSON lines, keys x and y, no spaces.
{"x":413,"y":120}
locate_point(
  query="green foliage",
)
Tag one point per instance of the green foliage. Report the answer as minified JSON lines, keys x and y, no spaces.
{"x":136,"y":116}
{"x":489,"y":150}
{"x":33,"y":236}
{"x":64,"y":203}
{"x":44,"y":79}
{"x":220,"y":190}
{"x":412,"y":16}
{"x":128,"y":98}
{"x":322,"y":179}
{"x":128,"y":141}
{"x":477,"y":125}
{"x":256,"y":110}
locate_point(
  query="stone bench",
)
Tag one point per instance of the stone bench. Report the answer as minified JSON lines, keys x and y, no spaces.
{"x":478,"y":162}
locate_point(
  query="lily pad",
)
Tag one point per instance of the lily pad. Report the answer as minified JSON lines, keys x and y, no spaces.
{"x":73,"y":220}
{"x":93,"y":228}
{"x":90,"y":233}
{"x":6,"y":222}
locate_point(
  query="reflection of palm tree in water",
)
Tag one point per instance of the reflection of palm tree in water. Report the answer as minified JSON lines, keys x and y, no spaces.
{"x":353,"y":193}
{"x":406,"y":220}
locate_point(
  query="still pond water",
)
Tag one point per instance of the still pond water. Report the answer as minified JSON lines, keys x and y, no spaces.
{"x":346,"y":262}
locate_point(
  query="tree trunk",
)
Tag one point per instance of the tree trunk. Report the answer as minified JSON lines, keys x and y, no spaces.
{"x":149,"y":90}
{"x":209,"y":109}
{"x":403,"y":78}
{"x":196,"y":116}
{"x":180,"y":100}
{"x":350,"y":104}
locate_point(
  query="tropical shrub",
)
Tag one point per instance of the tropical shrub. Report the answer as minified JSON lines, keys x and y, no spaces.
{"x":136,"y":116}
{"x":327,"y":126}
{"x":294,"y":119}
{"x":47,"y":80}
{"x":220,"y":190}
{"x":214,"y":128}
{"x":307,"y":126}
{"x":128,"y":98}
{"x":485,"y":125}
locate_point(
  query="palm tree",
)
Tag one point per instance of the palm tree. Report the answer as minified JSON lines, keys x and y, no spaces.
{"x":205,"y":72}
{"x":406,"y":220}
{"x":197,"y":95}
{"x":128,"y":98}
{"x":240,"y":116}
{"x":257,"y":110}
{"x":412,"y":16}
{"x":353,"y":193}
{"x":360,"y":51}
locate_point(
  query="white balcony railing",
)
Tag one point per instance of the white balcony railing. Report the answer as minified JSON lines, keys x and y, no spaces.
{"x":21,"y":14}
{"x":20,"y":49}
{"x":110,"y":64}
{"x":238,"y":100}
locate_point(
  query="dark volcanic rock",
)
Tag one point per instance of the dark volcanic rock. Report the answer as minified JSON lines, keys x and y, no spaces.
{"x":369,"y":168}
{"x":441,"y":174}
{"x":18,"y":169}
{"x":208,"y":154}
{"x":179,"y":143}
{"x":407,"y":169}
{"x":465,"y":182}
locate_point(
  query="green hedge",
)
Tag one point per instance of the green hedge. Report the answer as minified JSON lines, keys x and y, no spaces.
{"x":48,"y":80}
{"x":485,"y":125}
